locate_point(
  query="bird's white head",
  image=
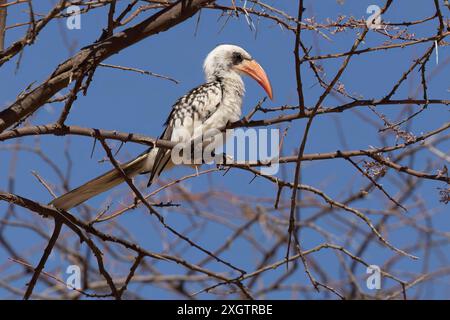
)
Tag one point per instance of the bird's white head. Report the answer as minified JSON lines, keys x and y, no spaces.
{"x":230,"y":61}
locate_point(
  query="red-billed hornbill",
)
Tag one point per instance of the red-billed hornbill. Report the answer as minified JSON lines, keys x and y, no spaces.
{"x":209,"y":106}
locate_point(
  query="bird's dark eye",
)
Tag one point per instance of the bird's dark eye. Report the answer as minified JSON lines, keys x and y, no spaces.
{"x":237,"y":58}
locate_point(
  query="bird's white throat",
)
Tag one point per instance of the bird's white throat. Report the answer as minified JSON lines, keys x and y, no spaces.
{"x":233,"y":92}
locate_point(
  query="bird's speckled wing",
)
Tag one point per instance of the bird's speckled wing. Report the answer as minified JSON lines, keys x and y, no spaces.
{"x":189,"y":112}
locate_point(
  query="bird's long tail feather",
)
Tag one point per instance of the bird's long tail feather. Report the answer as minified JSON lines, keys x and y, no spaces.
{"x":100,"y":184}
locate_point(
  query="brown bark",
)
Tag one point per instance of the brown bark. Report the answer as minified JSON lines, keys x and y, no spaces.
{"x":3,"y":13}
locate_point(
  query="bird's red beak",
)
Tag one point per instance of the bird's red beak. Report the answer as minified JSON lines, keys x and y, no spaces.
{"x":254,"y":70}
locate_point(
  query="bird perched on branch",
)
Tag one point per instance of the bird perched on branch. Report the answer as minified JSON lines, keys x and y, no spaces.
{"x":209,"y":106}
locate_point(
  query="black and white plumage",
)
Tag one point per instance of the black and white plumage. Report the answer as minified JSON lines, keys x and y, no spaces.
{"x":209,"y":106}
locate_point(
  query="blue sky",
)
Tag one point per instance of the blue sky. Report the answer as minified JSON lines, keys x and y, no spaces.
{"x":131,"y":102}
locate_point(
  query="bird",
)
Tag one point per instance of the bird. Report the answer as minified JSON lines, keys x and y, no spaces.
{"x":211,"y":105}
